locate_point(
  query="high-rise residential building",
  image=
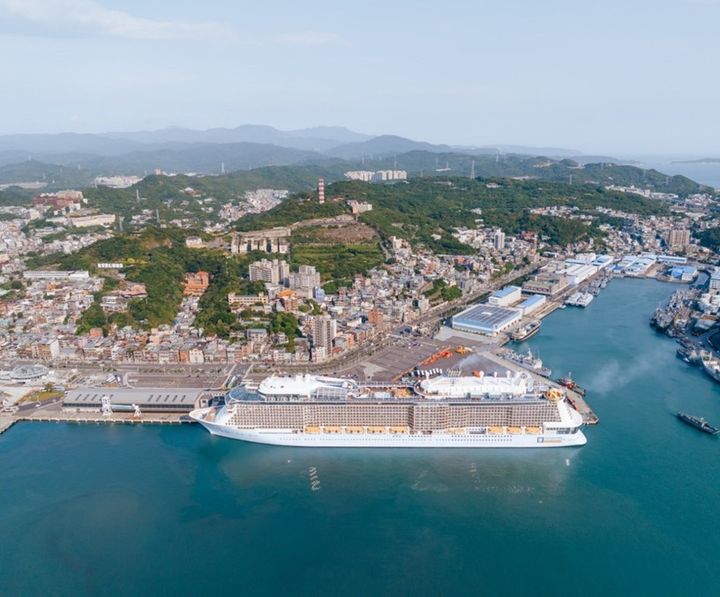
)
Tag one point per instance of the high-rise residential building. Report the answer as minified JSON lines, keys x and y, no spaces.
{"x":375,"y":316}
{"x":321,"y":190}
{"x":679,"y":238}
{"x":324,"y":330}
{"x":499,"y":239}
{"x":306,"y":278}
{"x":273,"y":272}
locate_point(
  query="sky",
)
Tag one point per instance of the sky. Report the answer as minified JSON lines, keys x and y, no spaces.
{"x":619,"y":76}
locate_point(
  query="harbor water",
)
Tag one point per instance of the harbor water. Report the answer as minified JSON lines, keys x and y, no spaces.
{"x":143,"y":510}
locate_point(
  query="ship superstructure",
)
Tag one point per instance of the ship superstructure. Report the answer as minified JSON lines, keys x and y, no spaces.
{"x":580,"y":299}
{"x":313,"y":411}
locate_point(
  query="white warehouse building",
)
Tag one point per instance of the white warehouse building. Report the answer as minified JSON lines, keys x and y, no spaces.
{"x":505,"y":296}
{"x":578,"y":273}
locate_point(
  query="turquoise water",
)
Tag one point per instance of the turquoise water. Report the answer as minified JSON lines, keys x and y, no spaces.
{"x":171,"y":510}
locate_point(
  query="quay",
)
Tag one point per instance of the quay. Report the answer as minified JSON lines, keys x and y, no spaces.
{"x":576,"y":399}
{"x":46,"y":416}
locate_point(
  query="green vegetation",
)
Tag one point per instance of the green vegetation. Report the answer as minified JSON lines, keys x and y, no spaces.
{"x":295,"y":209}
{"x":338,"y":253}
{"x":426,"y":211}
{"x":47,"y":393}
{"x":441,"y":291}
{"x":160,"y":260}
{"x":710,"y":238}
{"x":543,"y":169}
{"x":287,"y":324}
{"x":167,"y":195}
{"x":93,"y":317}
{"x":15,"y":196}
{"x":56,"y":176}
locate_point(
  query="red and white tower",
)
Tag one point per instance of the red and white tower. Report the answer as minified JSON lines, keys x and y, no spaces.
{"x":321,"y":190}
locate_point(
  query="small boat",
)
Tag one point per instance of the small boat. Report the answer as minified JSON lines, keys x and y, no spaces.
{"x":698,"y":423}
{"x":570,"y":384}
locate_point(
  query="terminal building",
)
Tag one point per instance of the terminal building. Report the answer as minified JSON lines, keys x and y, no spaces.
{"x":167,"y":400}
{"x":489,"y":320}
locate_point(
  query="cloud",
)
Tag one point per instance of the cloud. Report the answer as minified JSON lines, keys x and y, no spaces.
{"x":87,"y":17}
{"x":309,"y":38}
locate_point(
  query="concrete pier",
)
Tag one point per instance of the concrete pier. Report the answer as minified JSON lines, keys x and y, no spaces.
{"x":6,"y":422}
{"x":577,"y":400}
{"x":49,"y":416}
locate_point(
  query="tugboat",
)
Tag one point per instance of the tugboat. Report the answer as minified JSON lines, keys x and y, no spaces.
{"x":698,"y":423}
{"x":570,"y":384}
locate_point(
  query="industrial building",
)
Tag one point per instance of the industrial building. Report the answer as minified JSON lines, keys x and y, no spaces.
{"x":635,"y":266}
{"x":683,"y":273}
{"x":578,"y":273}
{"x":489,"y":320}
{"x":548,"y":284}
{"x":505,"y":296}
{"x":532,"y":304}
{"x":124,"y":399}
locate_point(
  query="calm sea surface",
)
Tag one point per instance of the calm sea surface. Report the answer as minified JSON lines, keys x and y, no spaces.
{"x":118,"y":510}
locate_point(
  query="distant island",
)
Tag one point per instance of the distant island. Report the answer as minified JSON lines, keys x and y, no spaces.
{"x":700,"y":161}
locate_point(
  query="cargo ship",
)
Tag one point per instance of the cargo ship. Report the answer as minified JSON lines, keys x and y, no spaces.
{"x":441,"y":412}
{"x":698,"y":423}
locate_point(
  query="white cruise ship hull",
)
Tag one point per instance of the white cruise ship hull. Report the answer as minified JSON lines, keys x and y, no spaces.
{"x":286,"y":437}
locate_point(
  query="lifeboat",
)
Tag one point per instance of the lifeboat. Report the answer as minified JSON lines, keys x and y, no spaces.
{"x":554,"y":395}
{"x":398,"y":429}
{"x":457,"y":430}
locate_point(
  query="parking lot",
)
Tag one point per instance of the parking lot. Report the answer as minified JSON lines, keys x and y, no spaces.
{"x":406,"y":353}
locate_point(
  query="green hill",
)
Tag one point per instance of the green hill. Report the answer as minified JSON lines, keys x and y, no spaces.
{"x":423,"y":209}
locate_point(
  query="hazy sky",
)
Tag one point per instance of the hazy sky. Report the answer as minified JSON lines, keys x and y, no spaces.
{"x":613,"y":76}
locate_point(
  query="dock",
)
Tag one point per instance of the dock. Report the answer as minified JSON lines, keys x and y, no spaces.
{"x":579,"y":404}
{"x":6,"y":422}
{"x":45,"y":416}
{"x":576,"y":400}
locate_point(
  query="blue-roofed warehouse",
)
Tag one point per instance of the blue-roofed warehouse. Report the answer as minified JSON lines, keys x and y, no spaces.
{"x":489,"y":320}
{"x":683,"y":273}
{"x":532,"y":303}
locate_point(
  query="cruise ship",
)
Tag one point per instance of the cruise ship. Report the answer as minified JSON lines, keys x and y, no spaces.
{"x":439,"y":412}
